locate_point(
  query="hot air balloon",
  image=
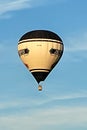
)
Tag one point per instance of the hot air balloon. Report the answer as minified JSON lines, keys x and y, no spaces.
{"x":40,"y":51}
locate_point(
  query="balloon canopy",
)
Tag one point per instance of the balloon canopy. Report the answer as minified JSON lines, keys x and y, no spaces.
{"x":40,"y":51}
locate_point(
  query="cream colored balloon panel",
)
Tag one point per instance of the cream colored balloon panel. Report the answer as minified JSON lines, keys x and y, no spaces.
{"x":21,"y":50}
{"x":54,"y":57}
{"x":35,"y":58}
{"x":39,"y":56}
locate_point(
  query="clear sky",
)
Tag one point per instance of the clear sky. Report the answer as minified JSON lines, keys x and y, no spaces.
{"x":62,"y":105}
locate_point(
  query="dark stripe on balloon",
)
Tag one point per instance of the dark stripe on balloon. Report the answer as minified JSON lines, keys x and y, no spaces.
{"x":59,"y":42}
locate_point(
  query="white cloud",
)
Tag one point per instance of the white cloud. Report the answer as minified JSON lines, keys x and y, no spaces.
{"x":14,"y":5}
{"x":76,"y":43}
{"x":39,"y":102}
{"x":63,"y":116}
{"x":7,"y":6}
{"x":75,"y":47}
{"x":30,"y":113}
{"x":71,"y":96}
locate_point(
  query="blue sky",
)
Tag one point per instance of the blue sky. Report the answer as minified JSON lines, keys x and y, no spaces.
{"x":62,"y":105}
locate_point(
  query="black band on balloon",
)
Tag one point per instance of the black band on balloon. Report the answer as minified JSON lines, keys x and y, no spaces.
{"x":40,"y":76}
{"x":32,"y":40}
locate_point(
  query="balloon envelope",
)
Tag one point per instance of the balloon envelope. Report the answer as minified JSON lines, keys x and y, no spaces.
{"x":40,"y":51}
